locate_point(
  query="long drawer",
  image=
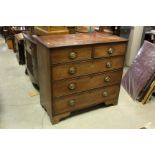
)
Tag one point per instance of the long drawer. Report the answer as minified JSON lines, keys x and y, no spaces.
{"x":70,"y":54}
{"x":85,"y":99}
{"x":70,"y":86}
{"x":88,"y":67}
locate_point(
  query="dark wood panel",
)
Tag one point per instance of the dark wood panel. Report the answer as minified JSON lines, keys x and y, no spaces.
{"x":31,"y":58}
{"x":86,"y":99}
{"x":29,"y":46}
{"x":19,"y":46}
{"x":70,"y":86}
{"x":84,"y":68}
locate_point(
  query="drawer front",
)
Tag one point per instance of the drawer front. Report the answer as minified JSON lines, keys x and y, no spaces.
{"x":70,"y":54}
{"x":85,"y":99}
{"x":70,"y":86}
{"x":84,"y":68}
{"x":109,"y":50}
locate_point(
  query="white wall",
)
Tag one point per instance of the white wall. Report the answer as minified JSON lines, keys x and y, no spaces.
{"x":134,"y":43}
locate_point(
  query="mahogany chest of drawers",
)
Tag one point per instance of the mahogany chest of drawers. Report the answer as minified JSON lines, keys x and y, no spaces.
{"x":77,"y":71}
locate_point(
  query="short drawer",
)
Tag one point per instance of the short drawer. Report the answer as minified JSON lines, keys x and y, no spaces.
{"x":70,"y":54}
{"x":86,"y":99}
{"x":76,"y":85}
{"x":109,"y":50}
{"x":84,"y":68}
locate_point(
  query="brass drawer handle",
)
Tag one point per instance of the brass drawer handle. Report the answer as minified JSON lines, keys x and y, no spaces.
{"x":109,"y":64}
{"x":72,"y":86}
{"x":105,"y":94}
{"x":71,"y":102}
{"x":110,"y":51}
{"x":72,"y":70}
{"x":72,"y":55}
{"x":107,"y":79}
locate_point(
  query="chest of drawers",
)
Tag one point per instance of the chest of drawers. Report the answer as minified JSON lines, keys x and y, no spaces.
{"x":77,"y":71}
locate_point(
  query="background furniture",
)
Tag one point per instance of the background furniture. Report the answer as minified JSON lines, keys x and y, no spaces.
{"x":1,"y":29}
{"x":31,"y":58}
{"x":83,"y":29}
{"x":8,"y":36}
{"x":20,"y":29}
{"x":31,"y":48}
{"x":106,"y":29}
{"x":150,"y":36}
{"x":122,"y":31}
{"x":19,"y":48}
{"x":8,"y":33}
{"x":80,"y":72}
{"x":9,"y":42}
{"x":49,"y":30}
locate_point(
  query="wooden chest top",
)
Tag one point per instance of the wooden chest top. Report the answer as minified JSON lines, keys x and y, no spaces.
{"x":64,"y":40}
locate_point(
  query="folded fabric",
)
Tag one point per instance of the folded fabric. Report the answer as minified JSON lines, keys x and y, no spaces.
{"x":141,"y":70}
